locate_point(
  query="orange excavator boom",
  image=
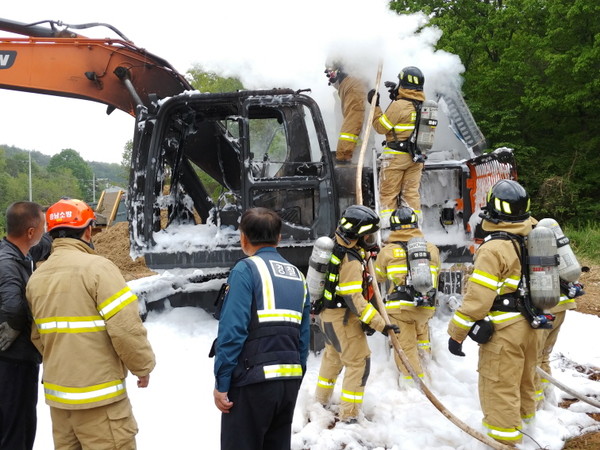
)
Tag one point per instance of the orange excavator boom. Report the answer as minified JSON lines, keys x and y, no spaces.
{"x":61,"y":62}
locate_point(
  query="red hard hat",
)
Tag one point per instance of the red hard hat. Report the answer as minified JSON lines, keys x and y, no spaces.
{"x":69,"y":213}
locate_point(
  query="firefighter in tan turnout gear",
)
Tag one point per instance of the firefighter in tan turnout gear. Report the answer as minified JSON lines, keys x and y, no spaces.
{"x":401,"y":165}
{"x":352,"y":92}
{"x":406,"y":306}
{"x":346,"y":312}
{"x":509,"y":345}
{"x":88,"y":329}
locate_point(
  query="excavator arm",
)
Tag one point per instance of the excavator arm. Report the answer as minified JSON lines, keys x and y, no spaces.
{"x":57,"y":61}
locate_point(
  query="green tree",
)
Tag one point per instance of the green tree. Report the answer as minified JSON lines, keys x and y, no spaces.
{"x":212,"y":82}
{"x":70,"y":159}
{"x":126,"y":159}
{"x":531,"y":82}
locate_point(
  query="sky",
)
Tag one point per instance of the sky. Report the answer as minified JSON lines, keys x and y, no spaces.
{"x":263,"y":43}
{"x":177,"y":410}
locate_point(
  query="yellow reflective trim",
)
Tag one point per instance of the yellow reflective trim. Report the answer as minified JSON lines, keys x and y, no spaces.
{"x":368,"y":314}
{"x":506,"y":434}
{"x":365,"y":228}
{"x":564,"y":300}
{"x":485,"y":279}
{"x":462,"y":321}
{"x":68,"y":324}
{"x":404,"y":127}
{"x":389,"y":151}
{"x":326,"y":383}
{"x":392,"y":304}
{"x":88,"y":394}
{"x":116,"y":302}
{"x":351,"y":397}
{"x":501,"y":316}
{"x":398,"y":268}
{"x":267,"y":283}
{"x":385,"y":122}
{"x":424,"y":344}
{"x":349,"y":288}
{"x":279,"y":315}
{"x":348,"y":137}
{"x":282,"y":370}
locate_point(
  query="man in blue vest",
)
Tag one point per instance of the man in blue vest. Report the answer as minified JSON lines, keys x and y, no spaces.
{"x":262,"y":342}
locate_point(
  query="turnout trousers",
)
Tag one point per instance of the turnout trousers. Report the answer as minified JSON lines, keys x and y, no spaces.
{"x":108,"y":427}
{"x":400,"y":178}
{"x":414,"y":335}
{"x":18,"y":401}
{"x":548,"y":338}
{"x":261,"y":416}
{"x":345,"y":347}
{"x":507,"y":380}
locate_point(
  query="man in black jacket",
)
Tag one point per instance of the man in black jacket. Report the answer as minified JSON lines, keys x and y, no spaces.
{"x":19,"y":359}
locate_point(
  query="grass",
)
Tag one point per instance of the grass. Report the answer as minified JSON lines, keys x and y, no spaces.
{"x":585,"y":241}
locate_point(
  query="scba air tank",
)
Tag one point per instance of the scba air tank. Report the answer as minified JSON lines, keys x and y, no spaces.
{"x":569,"y":268}
{"x":544,"y":284}
{"x":317,"y":267}
{"x":418,"y":261}
{"x":427,"y":124}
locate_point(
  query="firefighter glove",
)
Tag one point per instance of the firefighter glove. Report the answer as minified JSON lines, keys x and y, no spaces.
{"x":392,"y":89}
{"x":455,"y":347}
{"x":370,"y":97}
{"x":7,"y":336}
{"x":389,"y":327}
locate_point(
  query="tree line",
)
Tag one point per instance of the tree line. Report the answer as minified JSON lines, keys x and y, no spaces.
{"x":531,"y":81}
{"x":65,"y":174}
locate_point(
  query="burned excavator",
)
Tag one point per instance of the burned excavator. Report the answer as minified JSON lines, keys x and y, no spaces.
{"x":263,"y":148}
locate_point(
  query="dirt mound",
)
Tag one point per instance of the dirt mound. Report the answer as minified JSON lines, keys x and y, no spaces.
{"x":113,"y":243}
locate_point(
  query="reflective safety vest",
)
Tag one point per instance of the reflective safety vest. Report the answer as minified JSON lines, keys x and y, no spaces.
{"x":271,"y":351}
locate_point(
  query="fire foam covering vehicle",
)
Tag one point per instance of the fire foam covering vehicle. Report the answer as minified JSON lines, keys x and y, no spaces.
{"x":264,"y":148}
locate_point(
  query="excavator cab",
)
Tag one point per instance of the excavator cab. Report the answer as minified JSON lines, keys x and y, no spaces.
{"x":255,"y":148}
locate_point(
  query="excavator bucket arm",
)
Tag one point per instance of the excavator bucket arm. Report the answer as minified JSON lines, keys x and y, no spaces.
{"x":60,"y":62}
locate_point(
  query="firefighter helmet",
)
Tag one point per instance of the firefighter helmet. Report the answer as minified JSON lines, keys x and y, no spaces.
{"x":403,"y":218}
{"x":69,"y":213}
{"x":507,"y":201}
{"x":357,"y":221}
{"x":411,"y":78}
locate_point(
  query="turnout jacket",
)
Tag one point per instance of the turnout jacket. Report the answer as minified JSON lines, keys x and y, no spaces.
{"x":350,"y":289}
{"x":496,"y":271}
{"x":15,"y":270}
{"x":264,"y":322}
{"x":87,"y":327}
{"x":352,"y":94}
{"x":399,"y":120}
{"x":392,"y":263}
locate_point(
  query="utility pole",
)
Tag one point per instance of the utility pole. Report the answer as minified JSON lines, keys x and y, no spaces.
{"x":30,"y":192}
{"x":94,"y":186}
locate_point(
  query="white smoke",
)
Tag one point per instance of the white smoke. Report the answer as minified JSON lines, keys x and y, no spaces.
{"x":265,"y":43}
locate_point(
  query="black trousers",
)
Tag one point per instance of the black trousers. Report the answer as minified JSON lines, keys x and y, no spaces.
{"x":261,"y":416}
{"x":18,"y":401}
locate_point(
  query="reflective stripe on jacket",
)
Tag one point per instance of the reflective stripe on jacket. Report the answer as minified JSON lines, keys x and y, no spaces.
{"x":496,"y":271}
{"x":399,"y":120}
{"x":88,"y":327}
